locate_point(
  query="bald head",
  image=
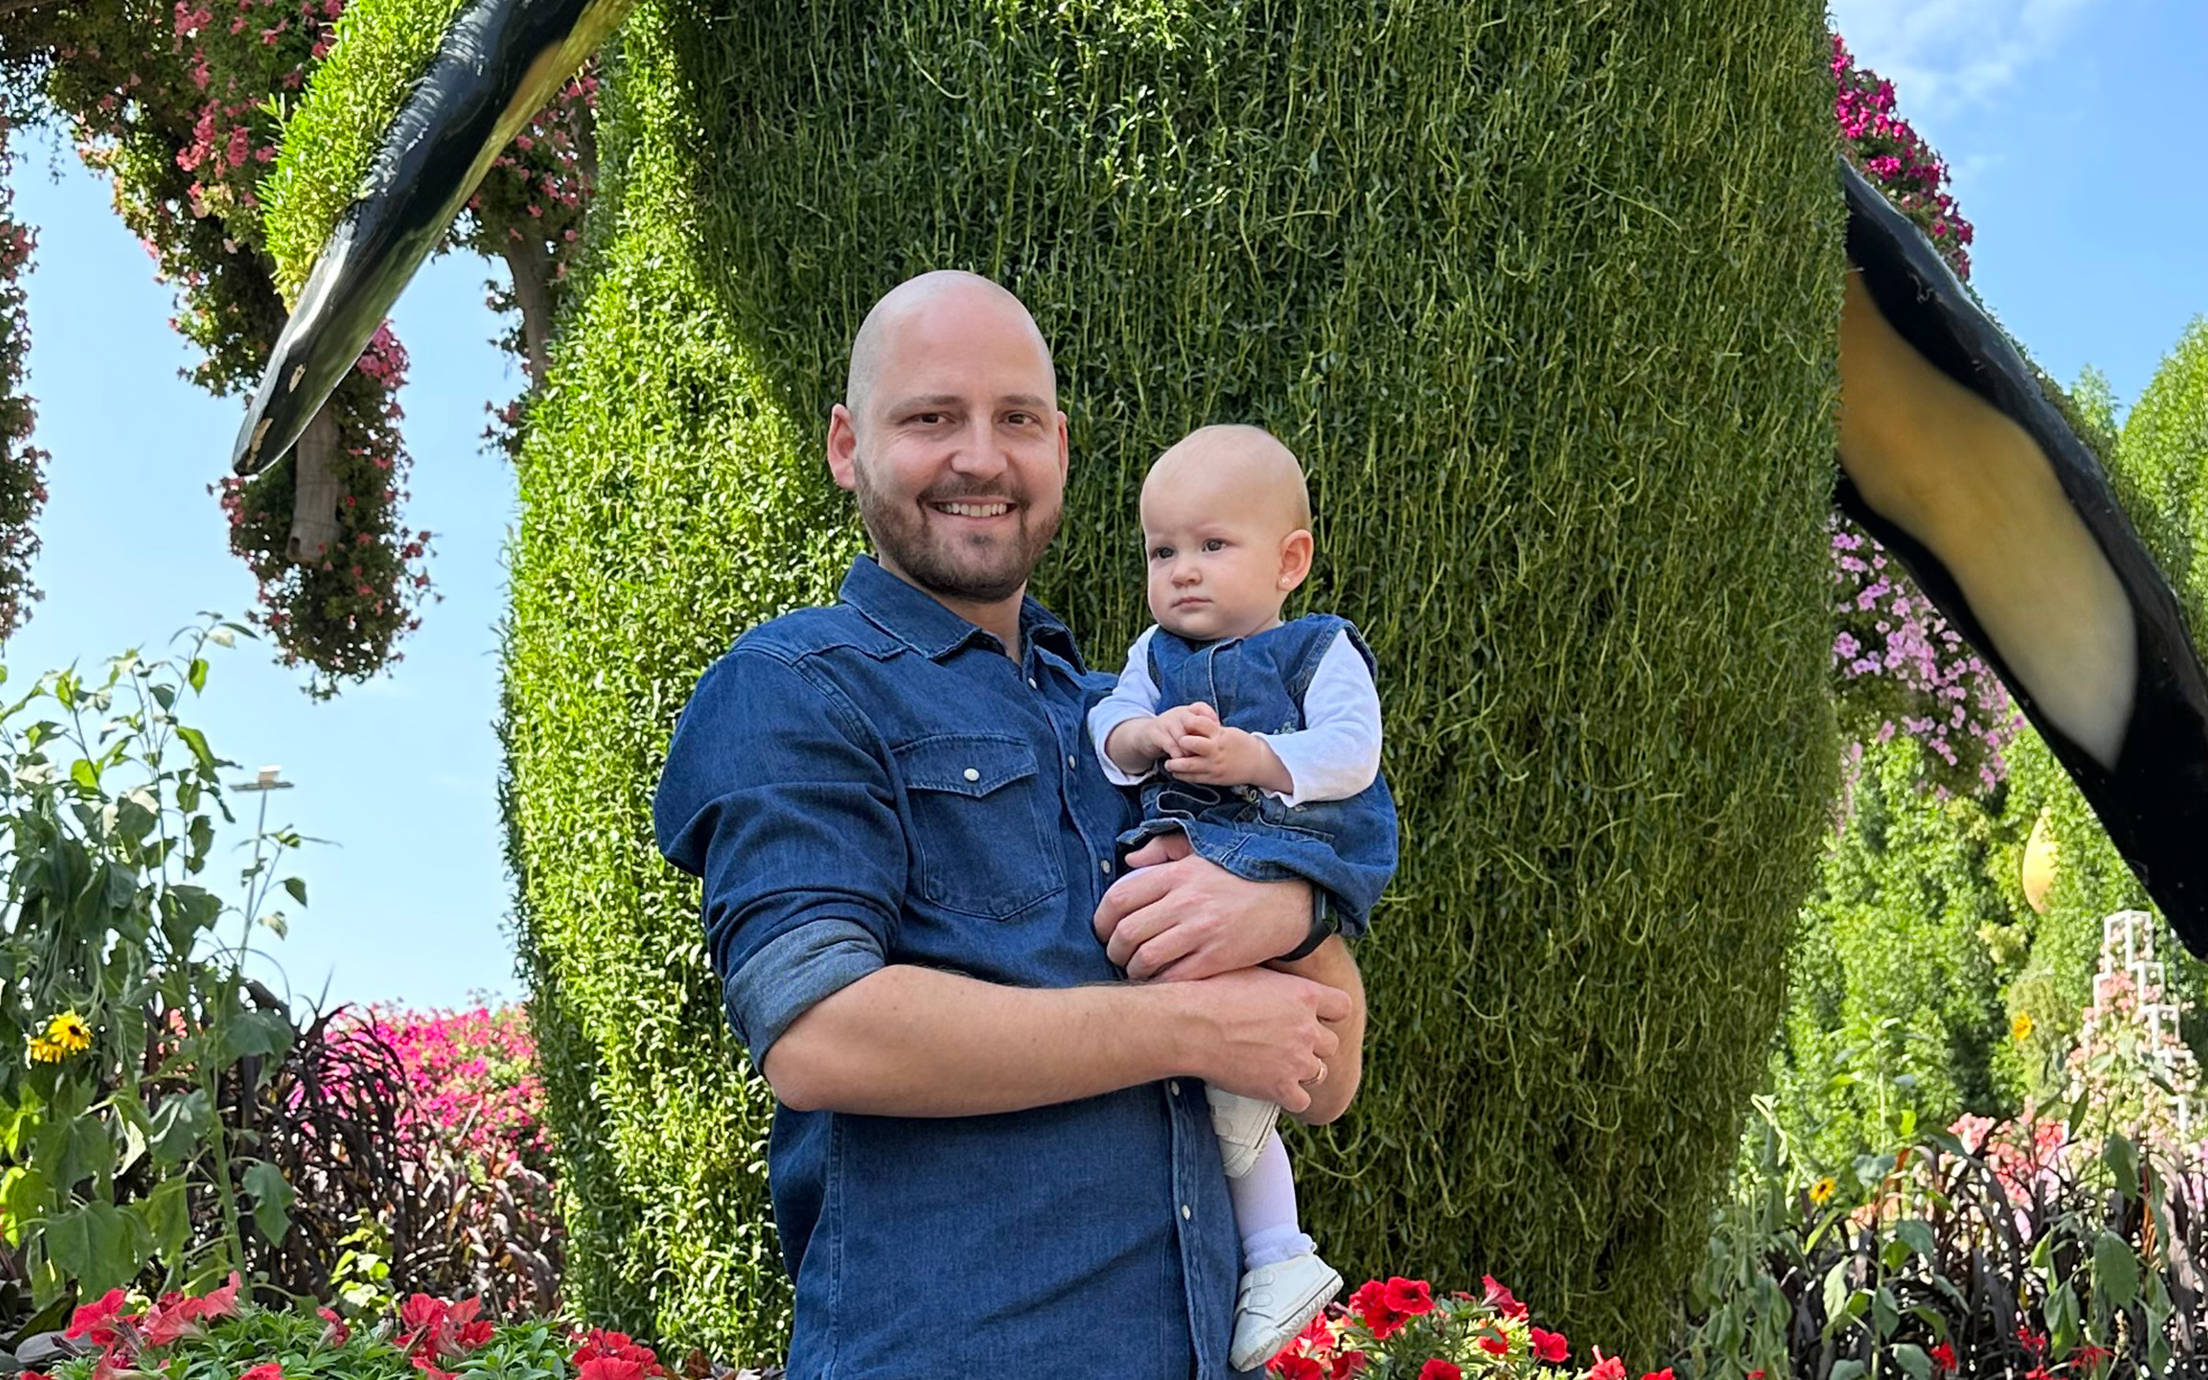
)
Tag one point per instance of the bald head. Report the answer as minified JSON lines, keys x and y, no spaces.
{"x":1243,"y":464}
{"x":932,"y":297}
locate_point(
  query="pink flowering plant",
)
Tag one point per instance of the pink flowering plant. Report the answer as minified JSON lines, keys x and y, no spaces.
{"x":474,"y":1165}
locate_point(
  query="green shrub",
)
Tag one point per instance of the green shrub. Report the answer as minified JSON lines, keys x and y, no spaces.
{"x":1895,"y":1018}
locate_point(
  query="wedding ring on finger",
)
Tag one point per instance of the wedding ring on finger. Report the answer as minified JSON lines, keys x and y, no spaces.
{"x":1317,"y":1078}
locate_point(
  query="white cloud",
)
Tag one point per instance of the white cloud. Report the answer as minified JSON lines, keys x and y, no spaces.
{"x":1946,"y":56}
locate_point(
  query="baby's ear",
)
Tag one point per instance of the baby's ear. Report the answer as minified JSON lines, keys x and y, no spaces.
{"x":1295,"y":559}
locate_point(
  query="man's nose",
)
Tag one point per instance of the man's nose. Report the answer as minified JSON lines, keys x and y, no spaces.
{"x":977,"y":451}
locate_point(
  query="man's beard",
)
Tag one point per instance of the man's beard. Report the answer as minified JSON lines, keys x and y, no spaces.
{"x":943,"y":565}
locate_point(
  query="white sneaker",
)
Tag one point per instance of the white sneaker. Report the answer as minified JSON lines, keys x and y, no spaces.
{"x":1241,"y":1123}
{"x":1276,"y":1302}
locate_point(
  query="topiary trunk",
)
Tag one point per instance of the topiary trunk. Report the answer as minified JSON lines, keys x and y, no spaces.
{"x":1545,"y":297}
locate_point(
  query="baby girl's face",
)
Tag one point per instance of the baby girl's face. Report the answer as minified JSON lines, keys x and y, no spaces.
{"x":1215,"y":536}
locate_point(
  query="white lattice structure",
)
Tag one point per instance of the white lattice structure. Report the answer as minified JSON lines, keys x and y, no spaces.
{"x":2132,"y":987}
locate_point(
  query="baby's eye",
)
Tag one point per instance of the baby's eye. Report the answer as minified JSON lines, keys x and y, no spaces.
{"x":1161,"y":553}
{"x":1215,"y":543}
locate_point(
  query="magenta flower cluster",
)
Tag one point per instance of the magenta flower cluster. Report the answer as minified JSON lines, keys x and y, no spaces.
{"x":473,"y":1078}
{"x":1896,"y":157}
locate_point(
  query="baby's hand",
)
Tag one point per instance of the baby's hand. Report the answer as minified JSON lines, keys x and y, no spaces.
{"x":1229,"y":757}
{"x":1183,"y":726}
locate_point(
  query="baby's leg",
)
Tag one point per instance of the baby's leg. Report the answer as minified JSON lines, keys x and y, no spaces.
{"x":1265,"y":1208}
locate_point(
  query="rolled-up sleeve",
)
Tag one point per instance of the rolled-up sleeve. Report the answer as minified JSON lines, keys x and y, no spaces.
{"x":776,"y":798}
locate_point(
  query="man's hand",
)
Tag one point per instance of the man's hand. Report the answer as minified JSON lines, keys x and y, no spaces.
{"x":1182,"y":917}
{"x":1264,"y":1034}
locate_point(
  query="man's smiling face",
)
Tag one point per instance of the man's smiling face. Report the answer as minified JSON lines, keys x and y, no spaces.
{"x":952,"y":438}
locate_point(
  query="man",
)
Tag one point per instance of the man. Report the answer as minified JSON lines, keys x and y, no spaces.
{"x":990,"y":1154}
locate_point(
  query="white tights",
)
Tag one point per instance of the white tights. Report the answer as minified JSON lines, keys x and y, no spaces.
{"x":1265,"y":1208}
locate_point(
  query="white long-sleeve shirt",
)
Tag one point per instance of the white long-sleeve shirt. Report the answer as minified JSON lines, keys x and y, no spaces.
{"x":1333,"y":756}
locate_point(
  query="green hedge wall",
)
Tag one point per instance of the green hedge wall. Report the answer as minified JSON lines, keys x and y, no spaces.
{"x":1546,"y":297}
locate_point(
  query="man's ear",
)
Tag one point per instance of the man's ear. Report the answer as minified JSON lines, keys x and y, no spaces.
{"x":843,"y":447}
{"x":1064,"y":451}
{"x":1295,"y":559}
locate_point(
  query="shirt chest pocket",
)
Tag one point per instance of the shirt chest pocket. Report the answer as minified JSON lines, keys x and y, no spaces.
{"x":984,"y":824}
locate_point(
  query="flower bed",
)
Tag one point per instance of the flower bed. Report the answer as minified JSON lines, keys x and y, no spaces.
{"x":221,"y":1336}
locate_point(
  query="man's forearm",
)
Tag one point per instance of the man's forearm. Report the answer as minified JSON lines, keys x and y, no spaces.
{"x":1332,"y":964}
{"x":912,"y":1041}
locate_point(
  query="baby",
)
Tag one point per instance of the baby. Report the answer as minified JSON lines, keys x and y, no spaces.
{"x":1269,"y":736}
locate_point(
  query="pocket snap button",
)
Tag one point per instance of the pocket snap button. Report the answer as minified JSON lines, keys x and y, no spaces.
{"x":971,"y":775}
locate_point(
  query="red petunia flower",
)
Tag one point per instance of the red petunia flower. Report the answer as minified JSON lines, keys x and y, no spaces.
{"x":1370,"y":1304}
{"x":1500,"y":1299}
{"x":1296,"y":1368}
{"x":1438,"y":1369}
{"x":1410,"y":1297}
{"x":1943,"y":1356}
{"x":1494,"y":1345}
{"x":623,"y":1368}
{"x":267,"y":1370}
{"x":223,"y":1302}
{"x":1664,"y":1374}
{"x":337,"y":1333}
{"x":98,"y":1321}
{"x":1550,"y":1346}
{"x":1348,"y":1364}
{"x":1606,"y":1368}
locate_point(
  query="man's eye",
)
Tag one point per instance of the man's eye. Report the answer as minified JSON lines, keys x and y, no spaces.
{"x":1021,"y":419}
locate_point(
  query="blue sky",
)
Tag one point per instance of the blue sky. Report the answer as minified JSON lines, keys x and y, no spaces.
{"x":2063,"y":121}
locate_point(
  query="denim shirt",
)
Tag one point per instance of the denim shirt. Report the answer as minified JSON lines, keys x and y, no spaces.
{"x":877,"y":782}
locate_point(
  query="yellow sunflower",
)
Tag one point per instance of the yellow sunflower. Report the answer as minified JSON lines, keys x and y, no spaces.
{"x":65,"y":1034}
{"x":1821,"y":1191}
{"x":2020,"y":1027}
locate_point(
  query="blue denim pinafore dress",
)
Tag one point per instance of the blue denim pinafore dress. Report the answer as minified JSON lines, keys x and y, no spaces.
{"x":1257,"y":684}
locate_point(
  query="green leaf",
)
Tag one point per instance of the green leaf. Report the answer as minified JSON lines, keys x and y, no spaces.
{"x":1847,"y":1369}
{"x":197,"y":674}
{"x":2115,"y":1270}
{"x":98,"y":1244}
{"x":272,"y":1198}
{"x":256,"y":1032}
{"x":1910,"y":1357}
{"x":2122,"y":1159}
{"x":24,"y":1195}
{"x":1917,"y":1235}
{"x":298,"y":889}
{"x":1885,"y":1316}
{"x":2061,"y":1311}
{"x":178,"y":1127}
{"x":197,"y":742}
{"x":167,"y":1218}
{"x":84,"y":774}
{"x":84,"y":1152}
